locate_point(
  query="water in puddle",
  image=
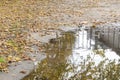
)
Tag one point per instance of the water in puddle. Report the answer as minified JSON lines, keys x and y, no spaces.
{"x":77,"y":56}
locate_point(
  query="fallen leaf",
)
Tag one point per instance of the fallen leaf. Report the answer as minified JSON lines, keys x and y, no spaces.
{"x":17,"y":59}
{"x":23,"y":72}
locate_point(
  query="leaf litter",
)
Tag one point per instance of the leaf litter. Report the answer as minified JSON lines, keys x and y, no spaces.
{"x":18,"y":18}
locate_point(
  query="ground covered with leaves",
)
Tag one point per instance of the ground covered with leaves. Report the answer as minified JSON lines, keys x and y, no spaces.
{"x":18,"y":18}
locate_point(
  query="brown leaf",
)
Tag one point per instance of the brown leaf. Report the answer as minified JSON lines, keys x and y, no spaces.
{"x":23,"y":72}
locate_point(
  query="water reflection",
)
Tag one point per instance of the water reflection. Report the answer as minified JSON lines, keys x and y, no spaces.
{"x":75,"y":53}
{"x":55,"y":64}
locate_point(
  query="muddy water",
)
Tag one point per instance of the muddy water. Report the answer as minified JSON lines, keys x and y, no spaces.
{"x":66,"y":55}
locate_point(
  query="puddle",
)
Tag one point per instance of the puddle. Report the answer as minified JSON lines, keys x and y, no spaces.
{"x":76,"y":55}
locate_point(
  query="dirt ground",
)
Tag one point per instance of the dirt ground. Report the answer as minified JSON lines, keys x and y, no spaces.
{"x":19,"y":18}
